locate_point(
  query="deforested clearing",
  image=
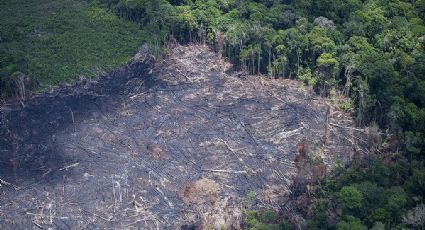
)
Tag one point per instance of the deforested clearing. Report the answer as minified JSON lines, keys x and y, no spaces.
{"x":174,"y":143}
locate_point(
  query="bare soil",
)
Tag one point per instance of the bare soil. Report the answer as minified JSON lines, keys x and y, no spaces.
{"x":175,"y":144}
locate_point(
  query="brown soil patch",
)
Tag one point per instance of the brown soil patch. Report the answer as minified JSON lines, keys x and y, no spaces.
{"x":202,"y":191}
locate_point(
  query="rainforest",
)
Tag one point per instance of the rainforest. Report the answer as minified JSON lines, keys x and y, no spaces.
{"x":212,"y":114}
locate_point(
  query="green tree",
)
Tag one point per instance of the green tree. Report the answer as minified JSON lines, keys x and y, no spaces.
{"x":327,"y":66}
{"x":350,"y":197}
{"x":350,"y":223}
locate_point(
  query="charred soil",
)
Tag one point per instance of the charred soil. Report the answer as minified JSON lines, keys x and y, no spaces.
{"x":176,"y":143}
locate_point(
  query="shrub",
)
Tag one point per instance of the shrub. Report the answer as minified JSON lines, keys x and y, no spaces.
{"x":350,"y":197}
{"x":350,"y":223}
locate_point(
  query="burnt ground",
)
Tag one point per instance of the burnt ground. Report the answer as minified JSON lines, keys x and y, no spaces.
{"x":174,"y":144}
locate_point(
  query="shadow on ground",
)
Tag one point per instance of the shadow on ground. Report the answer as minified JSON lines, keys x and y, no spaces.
{"x":30,"y":151}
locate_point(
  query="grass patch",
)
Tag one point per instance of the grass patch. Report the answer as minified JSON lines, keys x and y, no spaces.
{"x":56,"y":41}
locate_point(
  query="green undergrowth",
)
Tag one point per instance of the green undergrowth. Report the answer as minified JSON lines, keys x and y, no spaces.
{"x":52,"y":42}
{"x":261,"y":219}
{"x":372,"y":195}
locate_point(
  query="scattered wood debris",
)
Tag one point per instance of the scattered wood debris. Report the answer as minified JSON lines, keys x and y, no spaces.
{"x":180,"y":142}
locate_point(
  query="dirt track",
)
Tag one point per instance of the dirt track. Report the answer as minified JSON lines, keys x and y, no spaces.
{"x":176,"y":144}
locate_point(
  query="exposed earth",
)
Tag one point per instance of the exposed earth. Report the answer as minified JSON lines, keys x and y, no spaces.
{"x":178,"y":143}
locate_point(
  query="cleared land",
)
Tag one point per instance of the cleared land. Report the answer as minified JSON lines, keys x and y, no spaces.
{"x":173,"y":144}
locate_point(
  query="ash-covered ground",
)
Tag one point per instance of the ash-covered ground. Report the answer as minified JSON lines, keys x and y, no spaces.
{"x":175,"y":144}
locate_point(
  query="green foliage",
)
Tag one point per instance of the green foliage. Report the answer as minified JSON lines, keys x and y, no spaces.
{"x":350,"y":223}
{"x":373,"y":195}
{"x":61,"y":40}
{"x":378,"y":226}
{"x":415,"y":183}
{"x":307,"y":77}
{"x":265,"y":220}
{"x":396,"y":200}
{"x":379,"y":214}
{"x":364,"y":198}
{"x":326,"y":60}
{"x":345,"y":105}
{"x":248,"y":200}
{"x":351,"y":197}
{"x":372,"y":51}
{"x":267,"y":217}
{"x":261,"y":220}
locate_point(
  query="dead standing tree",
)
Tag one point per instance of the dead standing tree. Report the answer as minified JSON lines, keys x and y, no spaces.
{"x":20,"y":81}
{"x":219,"y":43}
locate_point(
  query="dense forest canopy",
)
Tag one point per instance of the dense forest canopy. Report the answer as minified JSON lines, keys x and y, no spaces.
{"x":52,"y":42}
{"x":371,"y":51}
